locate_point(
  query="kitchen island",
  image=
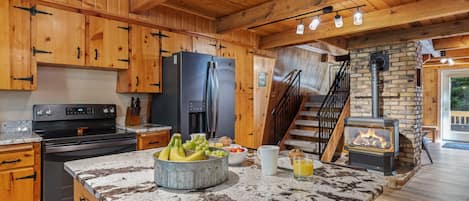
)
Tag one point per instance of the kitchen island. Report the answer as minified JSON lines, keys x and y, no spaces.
{"x":130,"y":176}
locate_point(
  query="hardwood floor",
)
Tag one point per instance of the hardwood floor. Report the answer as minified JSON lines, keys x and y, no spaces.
{"x":446,"y":180}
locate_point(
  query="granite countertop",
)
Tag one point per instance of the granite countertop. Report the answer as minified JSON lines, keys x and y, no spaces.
{"x":145,"y":128}
{"x":129,"y":177}
{"x":18,"y":137}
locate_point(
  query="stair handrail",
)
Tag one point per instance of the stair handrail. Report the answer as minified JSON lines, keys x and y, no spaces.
{"x":336,"y":98}
{"x":288,"y":105}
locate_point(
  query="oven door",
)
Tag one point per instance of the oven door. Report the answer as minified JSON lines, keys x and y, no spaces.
{"x":57,"y":184}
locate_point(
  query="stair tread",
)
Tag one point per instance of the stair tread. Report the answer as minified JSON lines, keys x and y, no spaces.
{"x":311,"y":123}
{"x":304,"y":133}
{"x":316,"y":104}
{"x":304,"y":145}
{"x":313,"y":113}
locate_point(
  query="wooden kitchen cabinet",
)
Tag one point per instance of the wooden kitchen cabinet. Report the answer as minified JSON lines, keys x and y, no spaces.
{"x":144,"y":72}
{"x":80,"y":193}
{"x":244,"y":65}
{"x":76,"y":3}
{"x":20,"y":172}
{"x":204,"y":45}
{"x":17,"y":69}
{"x":116,"y":7}
{"x":107,"y":43}
{"x":60,"y":37}
{"x":173,"y":42}
{"x":152,"y":140}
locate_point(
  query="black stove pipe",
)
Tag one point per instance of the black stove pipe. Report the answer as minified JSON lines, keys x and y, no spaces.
{"x":374,"y":90}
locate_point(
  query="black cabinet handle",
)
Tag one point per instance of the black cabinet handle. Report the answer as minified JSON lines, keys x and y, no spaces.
{"x":156,"y":84}
{"x":95,"y":54}
{"x":138,"y":82}
{"x":10,"y":162}
{"x":78,"y":52}
{"x":33,"y":176}
{"x":154,"y":142}
{"x":82,"y":199}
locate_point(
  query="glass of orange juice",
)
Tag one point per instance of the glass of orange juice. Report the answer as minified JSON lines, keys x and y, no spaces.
{"x":302,"y":168}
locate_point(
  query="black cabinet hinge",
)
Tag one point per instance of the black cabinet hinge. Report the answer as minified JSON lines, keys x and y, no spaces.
{"x":222,"y":47}
{"x":33,"y":10}
{"x":160,"y":35}
{"x":30,"y":79}
{"x":33,"y":176}
{"x":125,"y":28}
{"x":37,"y":51}
{"x":155,"y":84}
{"x":214,"y":45}
{"x":124,"y":60}
{"x":163,"y":51}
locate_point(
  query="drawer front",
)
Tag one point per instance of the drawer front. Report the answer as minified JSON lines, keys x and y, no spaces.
{"x":152,"y":140}
{"x":16,"y":156}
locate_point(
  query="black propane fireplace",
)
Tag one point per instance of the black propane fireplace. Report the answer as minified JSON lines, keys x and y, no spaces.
{"x":373,"y":142}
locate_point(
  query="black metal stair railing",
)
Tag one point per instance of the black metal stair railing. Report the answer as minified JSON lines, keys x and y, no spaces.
{"x":332,"y":105}
{"x":286,"y":109}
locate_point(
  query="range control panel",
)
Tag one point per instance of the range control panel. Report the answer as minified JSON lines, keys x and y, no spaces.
{"x":57,"y":112}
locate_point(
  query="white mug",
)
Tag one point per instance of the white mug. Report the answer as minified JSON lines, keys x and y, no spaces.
{"x":268,"y":154}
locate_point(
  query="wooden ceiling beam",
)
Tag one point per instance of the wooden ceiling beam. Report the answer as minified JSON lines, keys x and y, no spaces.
{"x":457,"y":62}
{"x":268,"y":12}
{"x":139,"y":6}
{"x":456,"y":42}
{"x":445,"y":29}
{"x":399,"y":15}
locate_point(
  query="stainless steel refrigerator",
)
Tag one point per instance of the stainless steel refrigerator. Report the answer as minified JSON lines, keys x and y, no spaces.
{"x":198,"y":95}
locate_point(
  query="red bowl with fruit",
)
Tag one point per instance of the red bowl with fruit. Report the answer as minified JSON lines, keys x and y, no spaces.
{"x":237,"y":154}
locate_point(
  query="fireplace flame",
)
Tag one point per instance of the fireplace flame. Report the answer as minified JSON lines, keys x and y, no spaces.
{"x":370,"y":139}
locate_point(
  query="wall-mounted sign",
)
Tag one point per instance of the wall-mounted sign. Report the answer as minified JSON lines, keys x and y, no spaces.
{"x":262,"y":79}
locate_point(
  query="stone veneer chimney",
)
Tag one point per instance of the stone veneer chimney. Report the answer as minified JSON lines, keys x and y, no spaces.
{"x":400,"y":93}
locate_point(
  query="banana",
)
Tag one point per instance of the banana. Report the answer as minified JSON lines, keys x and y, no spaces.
{"x":174,"y":154}
{"x":197,"y":156}
{"x":164,"y":155}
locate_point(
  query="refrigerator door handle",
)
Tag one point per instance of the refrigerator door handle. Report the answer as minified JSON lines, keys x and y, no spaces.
{"x":216,"y":100}
{"x":208,"y":97}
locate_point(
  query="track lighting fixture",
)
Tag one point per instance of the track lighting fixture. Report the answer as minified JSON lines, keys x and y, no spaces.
{"x":300,"y":28}
{"x":314,"y":23}
{"x":338,"y":21}
{"x":443,"y":60}
{"x":358,"y":17}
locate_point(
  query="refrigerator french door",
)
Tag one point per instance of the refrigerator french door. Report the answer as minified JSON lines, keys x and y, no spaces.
{"x":198,"y":95}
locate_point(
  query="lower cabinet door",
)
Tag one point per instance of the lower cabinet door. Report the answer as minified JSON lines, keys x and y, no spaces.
{"x":80,"y":193}
{"x":17,"y":185}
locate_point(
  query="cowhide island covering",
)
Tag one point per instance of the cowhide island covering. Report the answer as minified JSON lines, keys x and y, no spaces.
{"x":129,"y":177}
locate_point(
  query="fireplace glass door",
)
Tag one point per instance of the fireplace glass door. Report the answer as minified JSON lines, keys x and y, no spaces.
{"x":369,"y":139}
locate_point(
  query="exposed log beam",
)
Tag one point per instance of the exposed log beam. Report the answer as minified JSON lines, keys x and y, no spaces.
{"x":446,"y":29}
{"x":403,"y":14}
{"x":139,"y":6}
{"x":456,"y":42}
{"x":268,"y":12}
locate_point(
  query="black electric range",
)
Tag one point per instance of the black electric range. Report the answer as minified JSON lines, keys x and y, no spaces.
{"x":73,"y":132}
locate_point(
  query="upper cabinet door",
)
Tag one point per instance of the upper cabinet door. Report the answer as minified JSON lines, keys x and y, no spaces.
{"x":244,"y":65}
{"x":60,"y":37}
{"x":144,"y":73}
{"x":107,"y":43}
{"x":204,"y":45}
{"x":173,"y":42}
{"x":17,"y":71}
{"x":76,"y":3}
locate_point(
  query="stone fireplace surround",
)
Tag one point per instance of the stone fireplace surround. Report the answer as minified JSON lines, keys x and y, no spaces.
{"x":400,"y":94}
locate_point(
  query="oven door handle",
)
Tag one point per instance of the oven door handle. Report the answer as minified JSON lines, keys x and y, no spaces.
{"x":81,"y":147}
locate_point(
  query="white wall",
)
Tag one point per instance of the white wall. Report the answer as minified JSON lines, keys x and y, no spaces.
{"x":67,"y":86}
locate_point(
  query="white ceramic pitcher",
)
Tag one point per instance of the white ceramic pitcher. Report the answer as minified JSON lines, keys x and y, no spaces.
{"x":268,"y":155}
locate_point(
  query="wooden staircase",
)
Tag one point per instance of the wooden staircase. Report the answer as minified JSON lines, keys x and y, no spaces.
{"x":318,"y":125}
{"x":303,"y":132}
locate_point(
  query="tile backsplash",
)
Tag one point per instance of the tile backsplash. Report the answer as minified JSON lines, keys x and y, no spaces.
{"x":68,"y":86}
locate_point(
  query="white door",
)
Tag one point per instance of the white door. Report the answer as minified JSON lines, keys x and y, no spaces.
{"x":455,"y":105}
